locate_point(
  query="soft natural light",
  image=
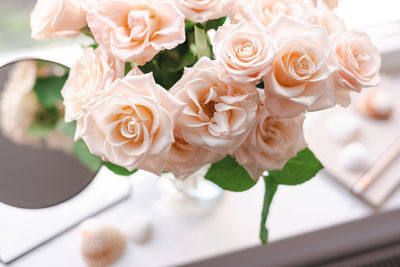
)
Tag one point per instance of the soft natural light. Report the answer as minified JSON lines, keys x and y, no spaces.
{"x":365,"y":13}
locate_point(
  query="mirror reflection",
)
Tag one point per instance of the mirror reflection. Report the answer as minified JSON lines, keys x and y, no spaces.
{"x":42,"y":165}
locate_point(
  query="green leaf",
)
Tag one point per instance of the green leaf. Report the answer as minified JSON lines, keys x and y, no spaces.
{"x":166,"y":78}
{"x":94,"y":45}
{"x":67,"y":128}
{"x":270,"y":190}
{"x":229,"y":175}
{"x":40,"y":130}
{"x":118,"y":169}
{"x":86,"y":31}
{"x":299,"y":169}
{"x":82,"y":153}
{"x":201,"y":39}
{"x":215,"y":23}
{"x":128,"y":67}
{"x":150,"y":66}
{"x":48,"y":90}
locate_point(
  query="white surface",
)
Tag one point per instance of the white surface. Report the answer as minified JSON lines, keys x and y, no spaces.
{"x":22,"y":230}
{"x":138,"y":229}
{"x":354,"y":157}
{"x":65,"y":55}
{"x":233,"y":225}
{"x":343,"y":127}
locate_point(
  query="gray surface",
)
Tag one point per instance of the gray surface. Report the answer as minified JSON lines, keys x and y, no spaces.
{"x":363,"y":241}
{"x":38,"y":178}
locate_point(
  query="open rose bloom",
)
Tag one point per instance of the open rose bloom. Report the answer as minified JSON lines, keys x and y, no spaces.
{"x":270,"y":62}
{"x":173,"y":85}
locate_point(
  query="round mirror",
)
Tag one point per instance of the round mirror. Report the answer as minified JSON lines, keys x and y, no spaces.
{"x":41,"y":164}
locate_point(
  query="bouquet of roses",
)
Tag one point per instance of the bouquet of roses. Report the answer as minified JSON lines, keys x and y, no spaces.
{"x":173,"y":85}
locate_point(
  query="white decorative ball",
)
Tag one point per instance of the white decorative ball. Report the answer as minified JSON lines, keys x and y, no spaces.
{"x":343,"y":127}
{"x":354,"y":157}
{"x":138,"y":229}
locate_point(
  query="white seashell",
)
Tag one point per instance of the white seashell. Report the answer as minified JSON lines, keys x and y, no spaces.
{"x":138,"y":229}
{"x":354,"y":157}
{"x":101,"y":244}
{"x":376,"y":104}
{"x":343,"y":127}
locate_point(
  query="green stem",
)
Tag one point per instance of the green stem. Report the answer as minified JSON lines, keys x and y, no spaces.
{"x":270,"y":190}
{"x":86,"y":31}
{"x":201,"y":40}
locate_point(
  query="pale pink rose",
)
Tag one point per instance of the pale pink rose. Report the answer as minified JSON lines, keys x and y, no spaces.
{"x":331,"y":4}
{"x":219,"y":112}
{"x":89,"y":5}
{"x":184,"y":159}
{"x":132,"y":124}
{"x":300,"y":76}
{"x":87,"y":80}
{"x":19,"y":104}
{"x":264,"y":11}
{"x":137,"y":30}
{"x":357,"y":59}
{"x":245,"y":51}
{"x":201,"y":11}
{"x":57,"y":18}
{"x":330,"y":21}
{"x":271,"y":143}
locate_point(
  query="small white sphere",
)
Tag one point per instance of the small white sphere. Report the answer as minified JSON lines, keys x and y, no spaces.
{"x":138,"y":229}
{"x":343,"y":127}
{"x":354,"y":157}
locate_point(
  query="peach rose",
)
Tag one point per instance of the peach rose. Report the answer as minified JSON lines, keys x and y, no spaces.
{"x":264,"y":11}
{"x":132,"y":124}
{"x":271,"y":143}
{"x":89,"y":5}
{"x":219,"y":112}
{"x":244,"y":50}
{"x":137,"y":30}
{"x":357,"y":59}
{"x":19,"y":104}
{"x":331,"y":4}
{"x":329,"y":20}
{"x":87,"y":79}
{"x":184,"y":159}
{"x":57,"y":18}
{"x":201,"y":11}
{"x":300,"y":76}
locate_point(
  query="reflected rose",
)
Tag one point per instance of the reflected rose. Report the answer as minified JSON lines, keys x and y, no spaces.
{"x":57,"y":140}
{"x":19,"y":104}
